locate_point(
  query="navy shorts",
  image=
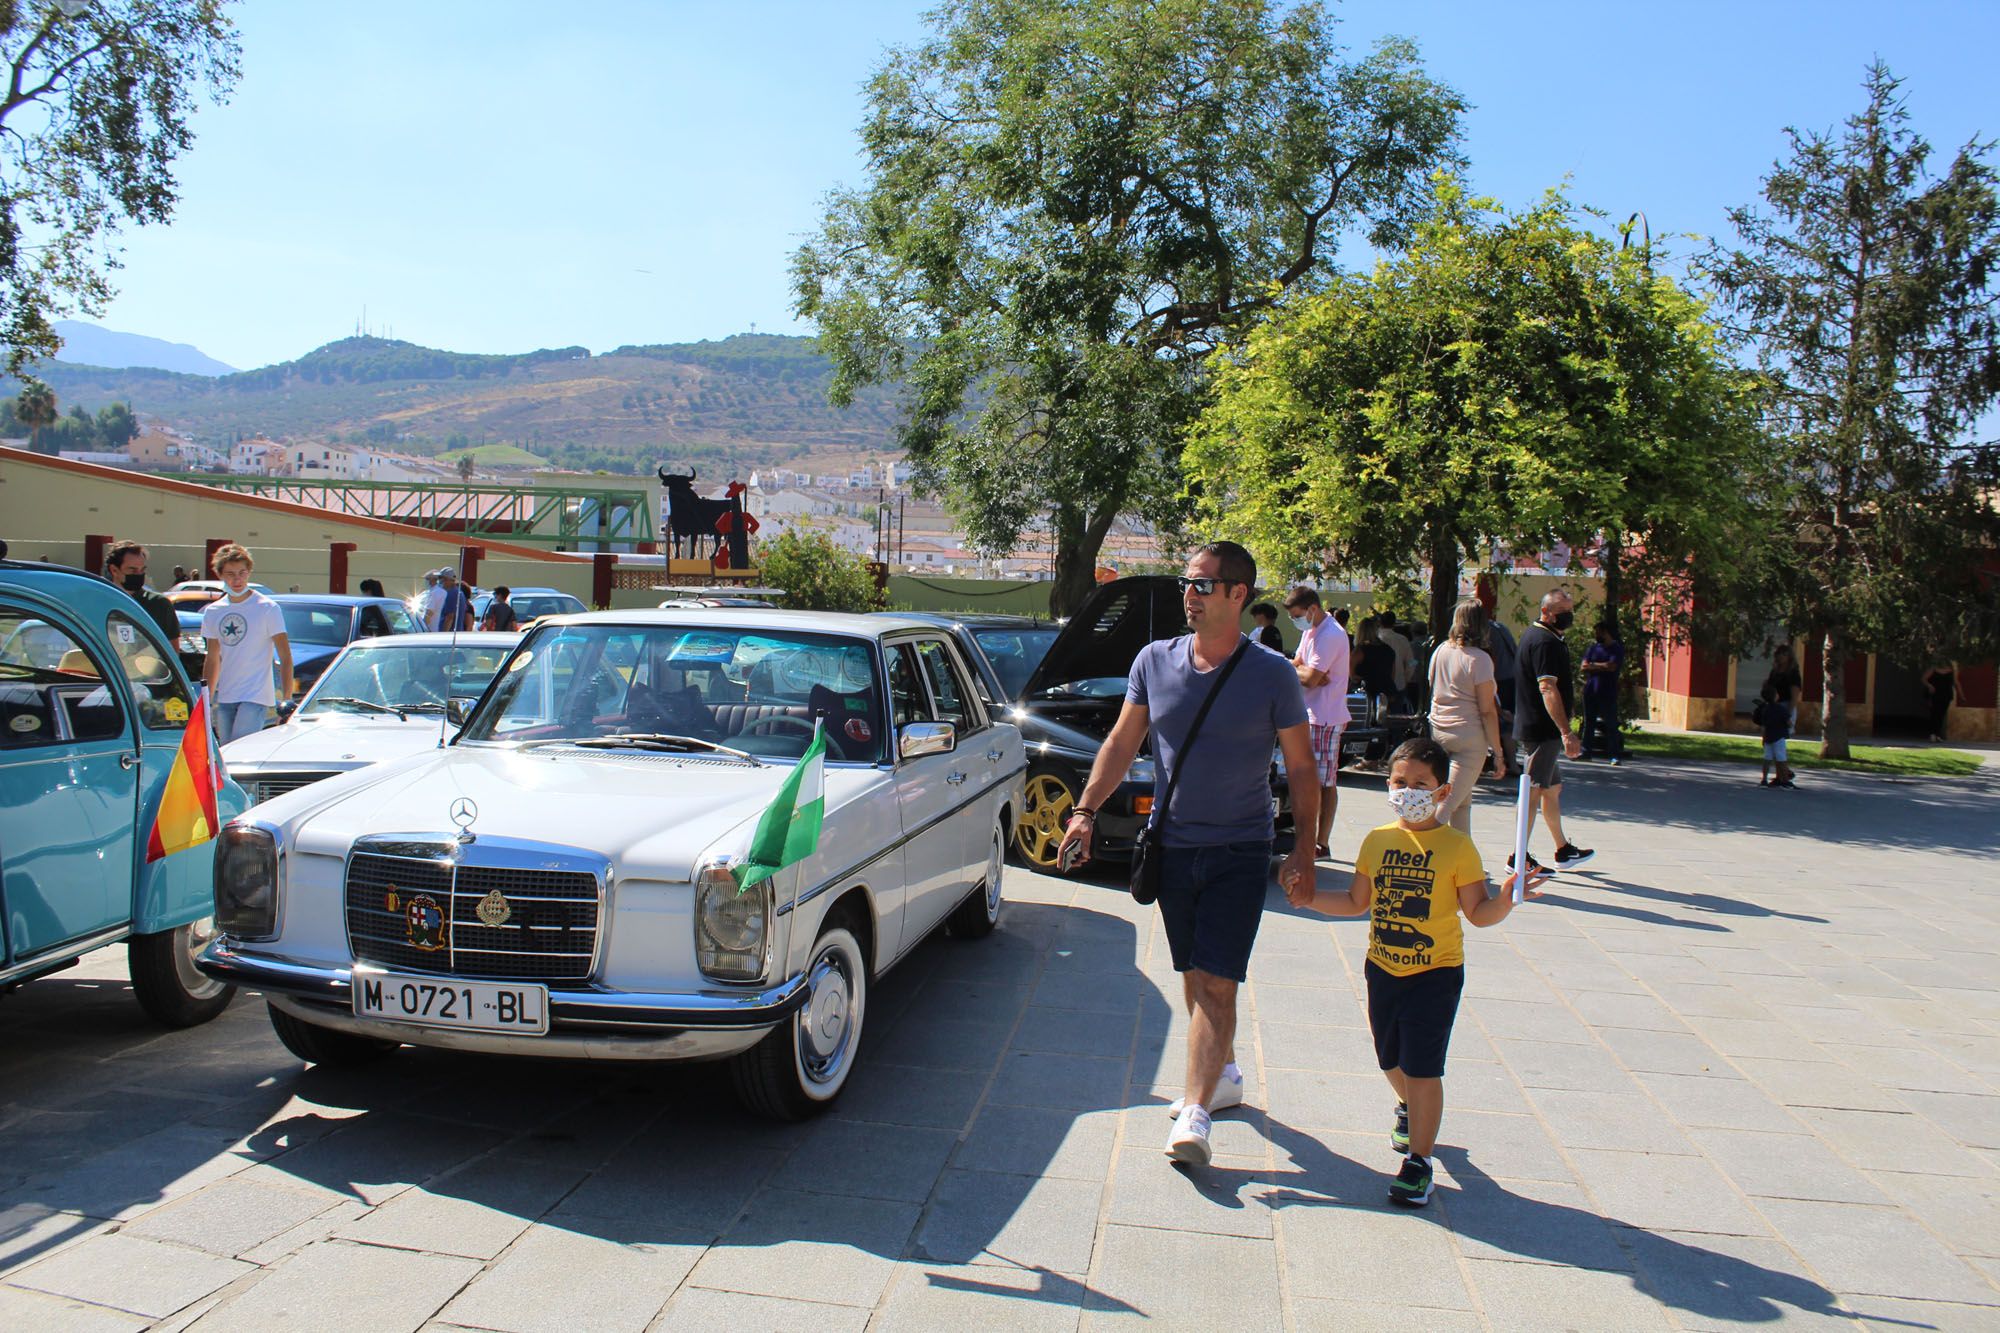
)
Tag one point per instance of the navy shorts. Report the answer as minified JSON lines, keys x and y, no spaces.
{"x":1411,"y":1017}
{"x":1211,"y":902}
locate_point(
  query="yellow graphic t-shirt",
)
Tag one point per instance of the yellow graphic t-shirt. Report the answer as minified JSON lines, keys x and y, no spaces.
{"x":1413,"y":924}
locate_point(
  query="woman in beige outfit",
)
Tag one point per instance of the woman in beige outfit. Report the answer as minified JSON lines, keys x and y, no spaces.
{"x":1465,"y":710}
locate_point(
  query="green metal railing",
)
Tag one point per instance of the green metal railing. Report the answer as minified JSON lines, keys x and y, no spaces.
{"x":559,"y":516}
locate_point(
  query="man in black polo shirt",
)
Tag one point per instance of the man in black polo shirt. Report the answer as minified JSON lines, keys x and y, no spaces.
{"x":1544,"y":694}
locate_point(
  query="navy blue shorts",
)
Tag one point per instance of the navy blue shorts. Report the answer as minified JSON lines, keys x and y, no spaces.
{"x":1411,"y":1017}
{"x":1211,"y":902}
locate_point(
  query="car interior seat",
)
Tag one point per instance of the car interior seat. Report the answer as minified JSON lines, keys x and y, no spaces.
{"x":853,"y":722}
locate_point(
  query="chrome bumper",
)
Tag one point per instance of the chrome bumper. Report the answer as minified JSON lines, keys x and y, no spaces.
{"x":580,"y":1012}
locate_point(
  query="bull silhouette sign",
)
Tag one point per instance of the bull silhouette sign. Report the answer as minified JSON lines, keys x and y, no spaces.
{"x":695,"y":519}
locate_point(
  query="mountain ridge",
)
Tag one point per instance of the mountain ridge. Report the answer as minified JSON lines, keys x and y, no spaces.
{"x":90,"y":344}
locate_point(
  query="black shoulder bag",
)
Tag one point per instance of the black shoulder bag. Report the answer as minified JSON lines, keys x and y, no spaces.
{"x":1146,"y":847}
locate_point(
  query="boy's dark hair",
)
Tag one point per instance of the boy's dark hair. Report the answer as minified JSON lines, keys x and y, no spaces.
{"x":503,"y":592}
{"x":1233,"y":562}
{"x":1340,"y":616}
{"x":1423,"y":750}
{"x":1265,"y":609}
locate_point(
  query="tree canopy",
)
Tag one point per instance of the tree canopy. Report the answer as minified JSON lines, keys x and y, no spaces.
{"x":1512,"y":378}
{"x":93,"y":118}
{"x":1068,"y":205}
{"x":816,"y":574}
{"x":1868,"y":281}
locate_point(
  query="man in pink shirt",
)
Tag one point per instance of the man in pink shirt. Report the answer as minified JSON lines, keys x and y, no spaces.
{"x":1322,"y":661}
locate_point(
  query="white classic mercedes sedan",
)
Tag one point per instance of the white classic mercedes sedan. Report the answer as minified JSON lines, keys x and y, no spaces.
{"x":563,"y":879}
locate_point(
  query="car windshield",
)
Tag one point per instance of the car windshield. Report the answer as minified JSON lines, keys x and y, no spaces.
{"x":1015,"y":652}
{"x":534,"y":605}
{"x":386,"y":674}
{"x":759,"y":691}
{"x":324,"y":626}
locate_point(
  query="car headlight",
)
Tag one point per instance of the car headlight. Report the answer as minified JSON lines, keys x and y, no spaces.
{"x":1141,"y":771}
{"x":246,"y":882}
{"x":731,"y":925}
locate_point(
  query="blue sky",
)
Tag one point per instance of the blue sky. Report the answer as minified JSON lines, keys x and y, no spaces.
{"x":499,"y":176}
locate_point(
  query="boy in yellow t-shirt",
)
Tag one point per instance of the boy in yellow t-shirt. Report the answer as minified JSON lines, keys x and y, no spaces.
{"x":1416,"y":875}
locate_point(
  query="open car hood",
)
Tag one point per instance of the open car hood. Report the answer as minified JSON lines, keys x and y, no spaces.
{"x":1105,"y":635}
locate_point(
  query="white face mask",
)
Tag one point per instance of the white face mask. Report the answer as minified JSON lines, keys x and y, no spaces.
{"x":1301,"y":624}
{"x":1413,"y":804}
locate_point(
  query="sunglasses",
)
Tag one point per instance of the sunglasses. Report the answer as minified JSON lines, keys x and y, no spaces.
{"x":1205,"y":587}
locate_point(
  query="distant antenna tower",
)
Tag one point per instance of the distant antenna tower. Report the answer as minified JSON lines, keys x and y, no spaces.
{"x":753,"y":326}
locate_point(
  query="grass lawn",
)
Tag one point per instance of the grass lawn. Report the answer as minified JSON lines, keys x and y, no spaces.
{"x":1913,"y":762}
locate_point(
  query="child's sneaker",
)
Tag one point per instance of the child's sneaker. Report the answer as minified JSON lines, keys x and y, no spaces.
{"x":1412,"y":1186}
{"x":1189,"y":1141}
{"x":1399,"y":1137}
{"x":1228,"y":1092}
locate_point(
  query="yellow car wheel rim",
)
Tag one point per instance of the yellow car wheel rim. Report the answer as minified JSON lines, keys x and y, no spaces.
{"x":1049,"y":801}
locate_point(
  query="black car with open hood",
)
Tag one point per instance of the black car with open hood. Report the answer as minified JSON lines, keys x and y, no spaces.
{"x":1063,"y":687}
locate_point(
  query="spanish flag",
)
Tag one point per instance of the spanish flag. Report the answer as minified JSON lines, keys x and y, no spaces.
{"x":188,"y":815}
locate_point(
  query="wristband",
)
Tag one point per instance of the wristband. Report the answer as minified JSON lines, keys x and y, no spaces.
{"x":1085,"y":811}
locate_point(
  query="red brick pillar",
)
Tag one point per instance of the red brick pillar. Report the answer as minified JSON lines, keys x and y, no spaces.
{"x":94,"y":546}
{"x":336,"y":567}
{"x":208,"y":555}
{"x":601,"y":565}
{"x":468,"y":564}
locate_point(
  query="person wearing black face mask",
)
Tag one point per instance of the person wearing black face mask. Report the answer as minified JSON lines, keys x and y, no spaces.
{"x":1544,"y":696}
{"x":125,"y":565}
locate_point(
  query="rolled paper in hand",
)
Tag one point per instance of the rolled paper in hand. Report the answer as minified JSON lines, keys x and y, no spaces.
{"x":1523,"y":813}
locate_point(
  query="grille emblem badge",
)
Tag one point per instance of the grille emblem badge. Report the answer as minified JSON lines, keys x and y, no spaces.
{"x":423,"y":923}
{"x":494,"y":910}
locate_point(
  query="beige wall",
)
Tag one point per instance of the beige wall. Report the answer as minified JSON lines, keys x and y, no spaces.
{"x":47,"y":510}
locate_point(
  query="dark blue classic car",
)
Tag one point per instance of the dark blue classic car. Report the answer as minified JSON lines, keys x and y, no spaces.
{"x":93,"y":705}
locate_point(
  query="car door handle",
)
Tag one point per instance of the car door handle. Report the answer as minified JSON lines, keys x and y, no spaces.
{"x":992,"y":756}
{"x":954,"y":779}
{"x":128,"y":761}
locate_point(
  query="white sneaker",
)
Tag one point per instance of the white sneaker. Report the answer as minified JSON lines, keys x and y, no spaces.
{"x":1189,"y":1141}
{"x":1228,"y":1093}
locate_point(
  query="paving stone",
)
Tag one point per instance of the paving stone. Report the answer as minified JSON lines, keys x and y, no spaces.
{"x":823,"y":1247}
{"x":1223,"y":1198}
{"x":983,"y":1217}
{"x":1010,"y":1299}
{"x":128,"y":1273}
{"x":1315,"y":1099}
{"x":1343,"y":1253}
{"x":1529,"y":1221}
{"x":1073,"y":1032}
{"x":29,"y":1231}
{"x":1507,"y":1147}
{"x":699,"y":1310}
{"x":1514,"y":1020}
{"x":1917,"y":1070}
{"x":675,"y":1185}
{"x":32,"y":1310}
{"x":1068,"y":1082}
{"x":1146,"y":1276}
{"x":1876,"y":1251}
{"x":872,"y":1161}
{"x":231,"y":1216}
{"x":1965,"y":1213}
{"x":1884,"y":1141}
{"x":1603,"y":1010}
{"x":927,"y":1042}
{"x":475,"y":1213}
{"x":1478,"y":1085}
{"x":1550,"y":1064}
{"x":1886,"y":1314}
{"x":1713,"y":1281}
{"x":1725,"y":1102}
{"x":1309,"y":1006}
{"x":376,"y":1157}
{"x":1785,"y":1166}
{"x":1654,"y":1052}
{"x":612,"y":1277}
{"x":1658,"y":1192}
{"x":1544,"y":1297}
{"x":1619,"y":1121}
{"x":1312,"y":1315}
{"x":140,"y":1175}
{"x":338,"y":1287}
{"x":900,"y":1095}
{"x":1038,"y":1141}
{"x":1971,"y":1121}
{"x":1817,"y":1083}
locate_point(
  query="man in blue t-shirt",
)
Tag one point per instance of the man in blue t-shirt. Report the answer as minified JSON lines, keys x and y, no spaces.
{"x":1216,"y":837}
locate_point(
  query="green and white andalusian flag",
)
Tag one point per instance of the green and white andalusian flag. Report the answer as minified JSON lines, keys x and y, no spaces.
{"x":789,"y":831}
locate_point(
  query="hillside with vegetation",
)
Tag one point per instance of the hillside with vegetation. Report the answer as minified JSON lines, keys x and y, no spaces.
{"x":752,"y":399}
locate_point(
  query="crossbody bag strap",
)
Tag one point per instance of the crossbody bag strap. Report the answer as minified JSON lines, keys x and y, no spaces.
{"x":1173,"y":778}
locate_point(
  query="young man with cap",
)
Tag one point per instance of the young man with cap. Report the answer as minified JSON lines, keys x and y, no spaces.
{"x":1216,"y":847}
{"x":454,"y":607}
{"x":1322,"y":664}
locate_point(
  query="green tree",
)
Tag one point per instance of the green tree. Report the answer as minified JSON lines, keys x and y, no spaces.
{"x":1069,"y":205}
{"x":1868,"y":280}
{"x":1509,"y":378}
{"x":818,"y":575}
{"x":94,"y":115}
{"x":116,"y":426}
{"x":35,"y":408}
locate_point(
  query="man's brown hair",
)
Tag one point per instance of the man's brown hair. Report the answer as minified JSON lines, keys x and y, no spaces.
{"x":115,"y":557}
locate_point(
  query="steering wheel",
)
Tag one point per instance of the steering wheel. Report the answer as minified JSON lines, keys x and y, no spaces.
{"x":777,"y":719}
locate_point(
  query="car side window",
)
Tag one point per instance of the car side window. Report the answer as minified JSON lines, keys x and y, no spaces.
{"x":906,"y":688}
{"x":52,"y":688}
{"x":401,"y":621}
{"x":158,"y":695}
{"x":955,"y":702}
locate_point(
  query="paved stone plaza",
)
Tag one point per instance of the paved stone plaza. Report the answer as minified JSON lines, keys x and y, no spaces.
{"x":1743,"y":1070}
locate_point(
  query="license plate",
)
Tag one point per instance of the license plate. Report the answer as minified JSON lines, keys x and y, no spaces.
{"x":444,"y":1002}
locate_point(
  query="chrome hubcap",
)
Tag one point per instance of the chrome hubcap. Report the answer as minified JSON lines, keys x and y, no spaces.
{"x":826,"y":1025}
{"x":993,"y":860}
{"x":195,"y":936}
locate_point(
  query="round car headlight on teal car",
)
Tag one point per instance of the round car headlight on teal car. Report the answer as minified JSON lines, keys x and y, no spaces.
{"x":246,"y":882}
{"x":731,"y":925}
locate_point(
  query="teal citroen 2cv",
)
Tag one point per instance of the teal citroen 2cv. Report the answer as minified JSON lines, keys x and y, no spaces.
{"x":93,"y":705}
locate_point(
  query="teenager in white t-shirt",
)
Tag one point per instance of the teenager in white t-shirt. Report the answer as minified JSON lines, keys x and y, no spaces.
{"x":243,"y":628}
{"x":1323,"y":661}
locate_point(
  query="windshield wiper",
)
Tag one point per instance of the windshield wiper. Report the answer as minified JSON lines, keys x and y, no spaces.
{"x":368,"y":704}
{"x":659,"y":740}
{"x":423,"y":708}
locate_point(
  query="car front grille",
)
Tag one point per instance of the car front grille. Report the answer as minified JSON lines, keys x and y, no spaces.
{"x":549,"y":932}
{"x":261,"y":787}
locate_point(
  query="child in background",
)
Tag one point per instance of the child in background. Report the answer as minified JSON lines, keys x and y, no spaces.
{"x":1776,"y":721}
{"x":1415,"y":876}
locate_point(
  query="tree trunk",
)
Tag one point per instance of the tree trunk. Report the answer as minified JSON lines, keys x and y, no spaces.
{"x":1077,"y":544}
{"x":1833,"y":698}
{"x":1444,"y":579}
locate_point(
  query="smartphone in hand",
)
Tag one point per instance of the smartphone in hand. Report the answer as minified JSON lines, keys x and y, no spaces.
{"x":1068,"y":858}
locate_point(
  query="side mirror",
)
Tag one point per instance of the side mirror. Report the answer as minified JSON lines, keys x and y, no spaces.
{"x":458,"y":710}
{"x":286,"y":709}
{"x":922,"y":738}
